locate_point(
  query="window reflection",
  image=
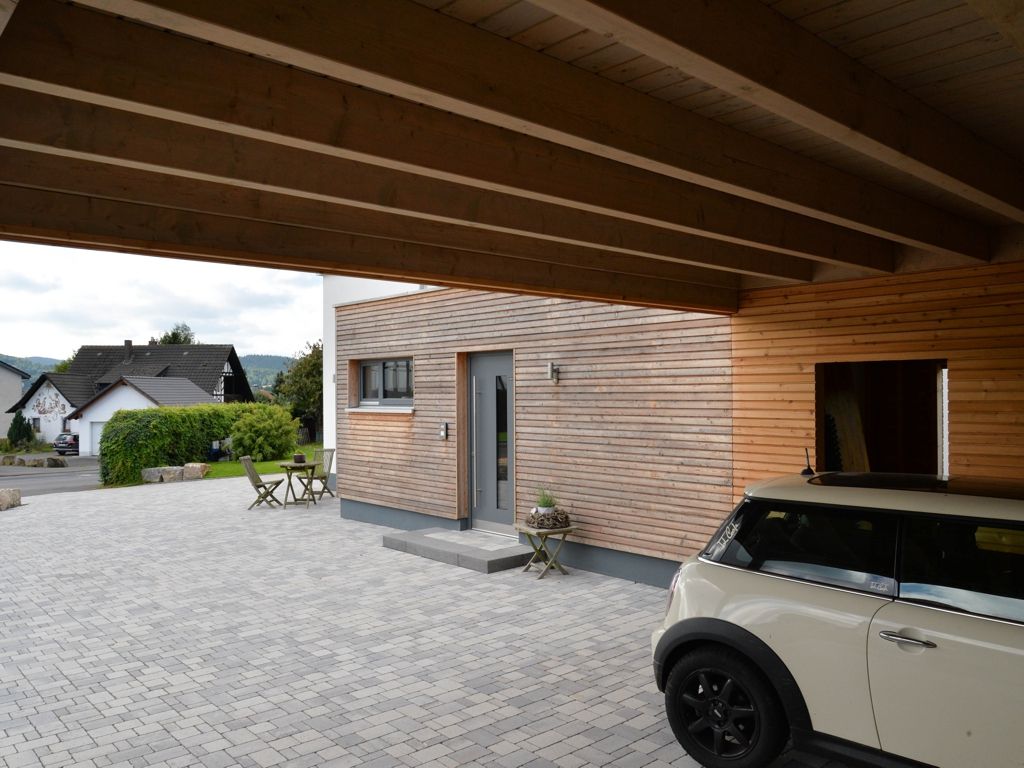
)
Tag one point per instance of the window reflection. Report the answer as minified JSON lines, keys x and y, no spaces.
{"x":501,"y":433}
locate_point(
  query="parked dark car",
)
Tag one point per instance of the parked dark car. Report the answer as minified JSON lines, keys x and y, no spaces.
{"x":66,"y":442}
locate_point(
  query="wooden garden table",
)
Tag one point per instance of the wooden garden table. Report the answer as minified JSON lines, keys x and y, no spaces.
{"x":303,"y":472}
{"x":538,"y":538}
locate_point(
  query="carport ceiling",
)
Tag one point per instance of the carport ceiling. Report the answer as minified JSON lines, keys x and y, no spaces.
{"x":664,"y":152}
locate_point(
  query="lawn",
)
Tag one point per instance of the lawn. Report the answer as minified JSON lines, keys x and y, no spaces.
{"x":272,"y":467}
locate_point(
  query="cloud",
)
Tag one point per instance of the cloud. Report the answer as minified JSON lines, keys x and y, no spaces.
{"x":56,"y":299}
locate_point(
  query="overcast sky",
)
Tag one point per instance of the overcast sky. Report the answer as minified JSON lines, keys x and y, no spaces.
{"x":53,"y":300}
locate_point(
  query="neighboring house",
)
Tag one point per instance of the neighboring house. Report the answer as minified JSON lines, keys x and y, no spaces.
{"x":130,"y":393}
{"x":454,"y":406}
{"x":11,"y":379}
{"x":49,"y":402}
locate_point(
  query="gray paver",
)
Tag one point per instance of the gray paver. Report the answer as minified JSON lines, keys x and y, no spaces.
{"x":166,"y":625}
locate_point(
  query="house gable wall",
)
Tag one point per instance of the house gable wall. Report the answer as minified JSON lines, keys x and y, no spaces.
{"x":49,"y":406}
{"x":89,"y":425}
{"x":634,"y":440}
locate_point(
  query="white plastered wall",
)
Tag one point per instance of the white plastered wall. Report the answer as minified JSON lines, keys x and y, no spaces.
{"x":50,"y":407}
{"x":90,"y":425}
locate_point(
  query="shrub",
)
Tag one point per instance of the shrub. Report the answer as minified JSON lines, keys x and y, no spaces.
{"x":266,"y":432}
{"x":20,"y":432}
{"x":5,"y":445}
{"x":157,"y":437}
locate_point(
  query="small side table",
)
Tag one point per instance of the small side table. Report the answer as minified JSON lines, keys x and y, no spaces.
{"x":538,"y":538}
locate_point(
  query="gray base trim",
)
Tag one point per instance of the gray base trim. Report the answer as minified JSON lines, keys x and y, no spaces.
{"x":610,"y":562}
{"x":362,"y":512}
{"x":621,"y":565}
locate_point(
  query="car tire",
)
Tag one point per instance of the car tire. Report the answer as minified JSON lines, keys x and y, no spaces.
{"x":723,"y":711}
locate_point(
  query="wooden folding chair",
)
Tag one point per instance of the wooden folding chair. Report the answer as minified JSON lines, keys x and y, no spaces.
{"x":264,"y":488}
{"x":325,"y":458}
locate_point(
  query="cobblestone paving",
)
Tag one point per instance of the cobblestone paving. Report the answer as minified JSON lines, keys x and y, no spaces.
{"x":165,"y":626}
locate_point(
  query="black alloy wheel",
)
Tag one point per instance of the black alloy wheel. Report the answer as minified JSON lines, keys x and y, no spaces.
{"x":723,"y":711}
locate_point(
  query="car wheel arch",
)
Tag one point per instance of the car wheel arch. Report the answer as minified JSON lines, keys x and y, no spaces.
{"x":689,"y":634}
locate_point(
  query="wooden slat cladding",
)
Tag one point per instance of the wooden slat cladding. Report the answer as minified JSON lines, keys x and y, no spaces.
{"x":973,"y":318}
{"x":634,"y":439}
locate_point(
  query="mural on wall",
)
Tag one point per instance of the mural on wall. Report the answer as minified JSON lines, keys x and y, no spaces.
{"x":50,"y":404}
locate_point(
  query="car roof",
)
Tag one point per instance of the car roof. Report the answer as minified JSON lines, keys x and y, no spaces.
{"x":934,"y":494}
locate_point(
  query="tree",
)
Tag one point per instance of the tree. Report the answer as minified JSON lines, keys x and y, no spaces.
{"x":65,"y":364}
{"x":179,"y":334}
{"x":20,"y":432}
{"x":301,"y":388}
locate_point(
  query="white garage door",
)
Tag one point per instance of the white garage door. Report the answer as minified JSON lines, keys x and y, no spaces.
{"x":96,"y":430}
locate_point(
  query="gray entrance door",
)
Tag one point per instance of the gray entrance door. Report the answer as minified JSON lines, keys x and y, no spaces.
{"x":491,"y":452}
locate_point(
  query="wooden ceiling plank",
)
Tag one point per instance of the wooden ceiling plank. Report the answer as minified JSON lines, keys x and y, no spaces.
{"x":80,"y":54}
{"x":102,"y":181}
{"x":1007,"y":16}
{"x":750,"y":50}
{"x":44,"y":216}
{"x":87,"y":132}
{"x":409,"y":51}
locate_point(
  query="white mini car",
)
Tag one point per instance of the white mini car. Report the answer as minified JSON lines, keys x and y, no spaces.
{"x":875,"y":619}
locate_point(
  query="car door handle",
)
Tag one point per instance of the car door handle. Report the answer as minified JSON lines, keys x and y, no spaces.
{"x":895,"y":637}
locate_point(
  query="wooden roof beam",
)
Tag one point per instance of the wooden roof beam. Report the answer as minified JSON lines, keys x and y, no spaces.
{"x":101,"y":181}
{"x":746,"y":48}
{"x":40,"y":216}
{"x":401,"y":48}
{"x":79,"y":54}
{"x":49,"y":125}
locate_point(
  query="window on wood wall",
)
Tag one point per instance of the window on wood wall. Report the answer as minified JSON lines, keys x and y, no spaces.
{"x":386,"y":382}
{"x":885,"y":416}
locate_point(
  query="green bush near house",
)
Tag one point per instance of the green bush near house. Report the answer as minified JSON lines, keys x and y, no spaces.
{"x":267,"y":432}
{"x":160,"y":437}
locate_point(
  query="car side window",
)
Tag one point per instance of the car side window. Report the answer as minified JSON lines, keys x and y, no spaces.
{"x":844,"y":547}
{"x":966,"y":565}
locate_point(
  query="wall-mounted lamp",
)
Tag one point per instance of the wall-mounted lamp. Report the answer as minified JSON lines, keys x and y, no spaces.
{"x":442,"y":433}
{"x":553,"y":372}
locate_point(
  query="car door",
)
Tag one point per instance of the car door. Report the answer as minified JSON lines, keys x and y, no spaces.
{"x":946,"y":659}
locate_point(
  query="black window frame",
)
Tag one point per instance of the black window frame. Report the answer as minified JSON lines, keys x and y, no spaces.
{"x":382,"y":401}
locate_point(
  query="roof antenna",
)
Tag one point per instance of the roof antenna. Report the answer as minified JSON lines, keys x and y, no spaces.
{"x":807,"y":471}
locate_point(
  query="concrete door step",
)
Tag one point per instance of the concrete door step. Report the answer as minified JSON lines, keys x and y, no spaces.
{"x":483,"y":552}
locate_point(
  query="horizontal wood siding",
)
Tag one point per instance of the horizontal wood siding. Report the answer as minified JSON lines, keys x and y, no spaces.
{"x":634,"y":440}
{"x":973,"y":318}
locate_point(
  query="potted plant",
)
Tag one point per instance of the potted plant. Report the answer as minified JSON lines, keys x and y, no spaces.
{"x":546,"y":502}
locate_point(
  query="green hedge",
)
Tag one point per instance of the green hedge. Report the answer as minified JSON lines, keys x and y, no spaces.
{"x":159,"y":437}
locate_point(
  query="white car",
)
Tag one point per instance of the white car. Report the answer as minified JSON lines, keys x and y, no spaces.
{"x":875,"y":619}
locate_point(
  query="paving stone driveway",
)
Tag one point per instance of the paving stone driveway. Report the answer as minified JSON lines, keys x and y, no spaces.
{"x":165,"y":625}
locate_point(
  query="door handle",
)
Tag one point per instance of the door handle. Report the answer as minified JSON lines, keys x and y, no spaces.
{"x":895,"y":637}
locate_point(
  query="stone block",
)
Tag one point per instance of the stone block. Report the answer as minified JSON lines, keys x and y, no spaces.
{"x":9,"y":497}
{"x":7,"y":460}
{"x":35,"y":462}
{"x":152,"y":475}
{"x":171,"y":474}
{"x":20,"y":461}
{"x":56,"y":461}
{"x":194,"y":471}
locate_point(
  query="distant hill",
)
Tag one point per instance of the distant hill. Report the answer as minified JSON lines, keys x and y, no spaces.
{"x":31,"y":365}
{"x":261,"y":370}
